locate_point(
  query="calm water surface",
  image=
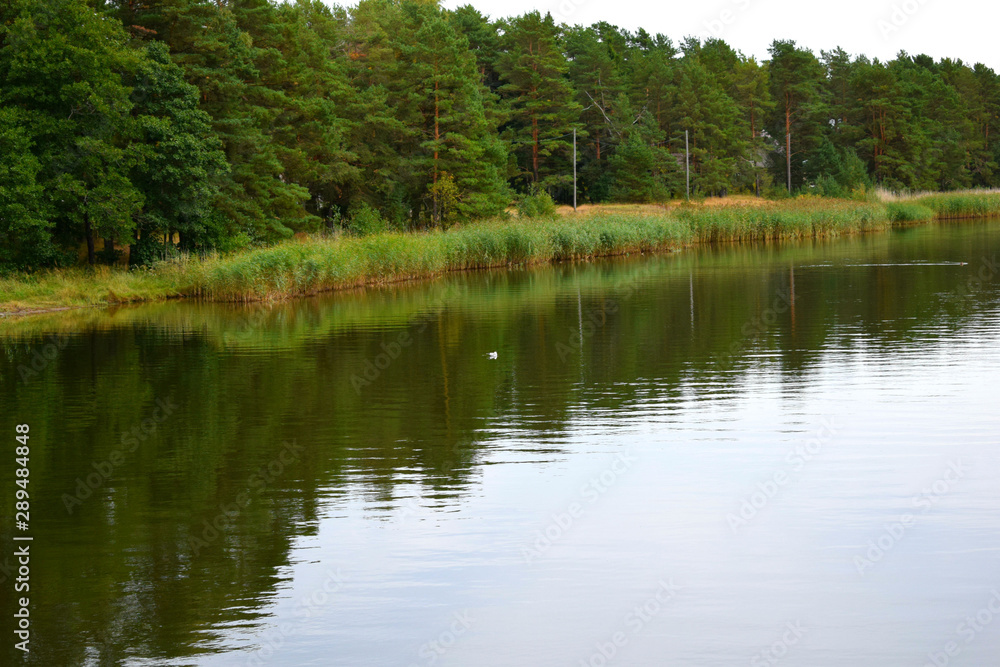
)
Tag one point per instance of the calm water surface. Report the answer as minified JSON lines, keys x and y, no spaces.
{"x":744,"y":456}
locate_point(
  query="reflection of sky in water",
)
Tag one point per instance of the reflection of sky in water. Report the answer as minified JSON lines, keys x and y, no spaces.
{"x":901,"y":418}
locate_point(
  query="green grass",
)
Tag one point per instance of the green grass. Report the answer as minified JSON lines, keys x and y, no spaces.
{"x":318,"y":264}
{"x":323,"y":264}
{"x":805,"y":217}
{"x":961,"y":204}
{"x":72,"y":288}
{"x":909,"y":211}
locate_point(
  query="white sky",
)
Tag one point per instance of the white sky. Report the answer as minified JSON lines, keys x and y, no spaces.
{"x":878,"y":28}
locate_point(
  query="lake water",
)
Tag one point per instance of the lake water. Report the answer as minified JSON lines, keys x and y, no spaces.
{"x":753,"y":455}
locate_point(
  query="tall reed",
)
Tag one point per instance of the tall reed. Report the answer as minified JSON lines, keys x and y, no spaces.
{"x":316,"y":264}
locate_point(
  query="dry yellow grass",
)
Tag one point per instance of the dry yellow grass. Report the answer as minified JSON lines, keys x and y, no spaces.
{"x":652,"y":209}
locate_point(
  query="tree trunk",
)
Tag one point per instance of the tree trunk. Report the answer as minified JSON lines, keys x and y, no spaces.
{"x":753,"y":143}
{"x":89,"y":231}
{"x":437,"y":138}
{"x":109,"y":246}
{"x":133,"y":255}
{"x":788,"y":141}
{"x":534,"y":146}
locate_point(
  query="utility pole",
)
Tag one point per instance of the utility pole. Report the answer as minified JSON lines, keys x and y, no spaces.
{"x":574,"y":169}
{"x":788,"y":159}
{"x":687,"y":165}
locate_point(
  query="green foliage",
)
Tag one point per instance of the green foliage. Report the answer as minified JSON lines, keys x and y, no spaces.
{"x":536,"y":204}
{"x":634,"y":170}
{"x":542,"y":106}
{"x":181,"y":160}
{"x":961,"y":204}
{"x":195,"y":126}
{"x":797,"y":119}
{"x":445,"y":196}
{"x":904,"y":211}
{"x":25,"y":231}
{"x":366,"y":220}
{"x":63,"y":66}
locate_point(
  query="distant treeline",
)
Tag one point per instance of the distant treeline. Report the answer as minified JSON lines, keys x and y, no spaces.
{"x":227,"y":123}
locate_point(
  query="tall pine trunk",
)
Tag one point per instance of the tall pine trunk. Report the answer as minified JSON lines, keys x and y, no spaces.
{"x":788,"y":140}
{"x":89,"y":232}
{"x":534,"y":146}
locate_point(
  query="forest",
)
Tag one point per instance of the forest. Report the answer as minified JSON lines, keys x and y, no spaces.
{"x":173,"y":126}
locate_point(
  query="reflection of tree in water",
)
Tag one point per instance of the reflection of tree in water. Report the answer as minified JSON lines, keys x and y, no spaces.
{"x":120,"y":576}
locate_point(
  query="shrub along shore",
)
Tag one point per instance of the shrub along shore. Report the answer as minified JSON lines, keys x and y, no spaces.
{"x":307,"y":266}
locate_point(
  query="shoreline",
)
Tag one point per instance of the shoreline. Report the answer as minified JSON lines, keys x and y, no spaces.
{"x":298,"y":268}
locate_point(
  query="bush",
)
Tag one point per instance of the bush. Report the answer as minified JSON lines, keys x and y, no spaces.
{"x":365,"y":220}
{"x":536,"y":204}
{"x":908,"y":211}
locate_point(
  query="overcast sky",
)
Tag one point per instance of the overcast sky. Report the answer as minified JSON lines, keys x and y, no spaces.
{"x":877,"y":28}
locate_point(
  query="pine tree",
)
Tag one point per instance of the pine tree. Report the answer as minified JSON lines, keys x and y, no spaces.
{"x":652,"y":81}
{"x":321,"y":110}
{"x":884,"y":119}
{"x":718,"y":140}
{"x":458,"y":139}
{"x":215,"y":45}
{"x":797,"y":122}
{"x":181,"y":160}
{"x":752,"y":94}
{"x":989,"y":124}
{"x":415,"y":58}
{"x":841,"y":102}
{"x":543,"y":110}
{"x":594,"y":77}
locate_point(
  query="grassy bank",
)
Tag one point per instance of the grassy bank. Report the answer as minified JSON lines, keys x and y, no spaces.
{"x":947,"y":205}
{"x":317,"y":264}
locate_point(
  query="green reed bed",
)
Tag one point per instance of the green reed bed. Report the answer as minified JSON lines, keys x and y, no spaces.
{"x":317,"y":264}
{"x":902,"y":212}
{"x":961,"y":204}
{"x":74,"y":288}
{"x":322,"y":264}
{"x":800,"y":218}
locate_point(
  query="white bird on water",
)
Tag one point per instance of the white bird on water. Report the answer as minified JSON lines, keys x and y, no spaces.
{"x":492,"y":355}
